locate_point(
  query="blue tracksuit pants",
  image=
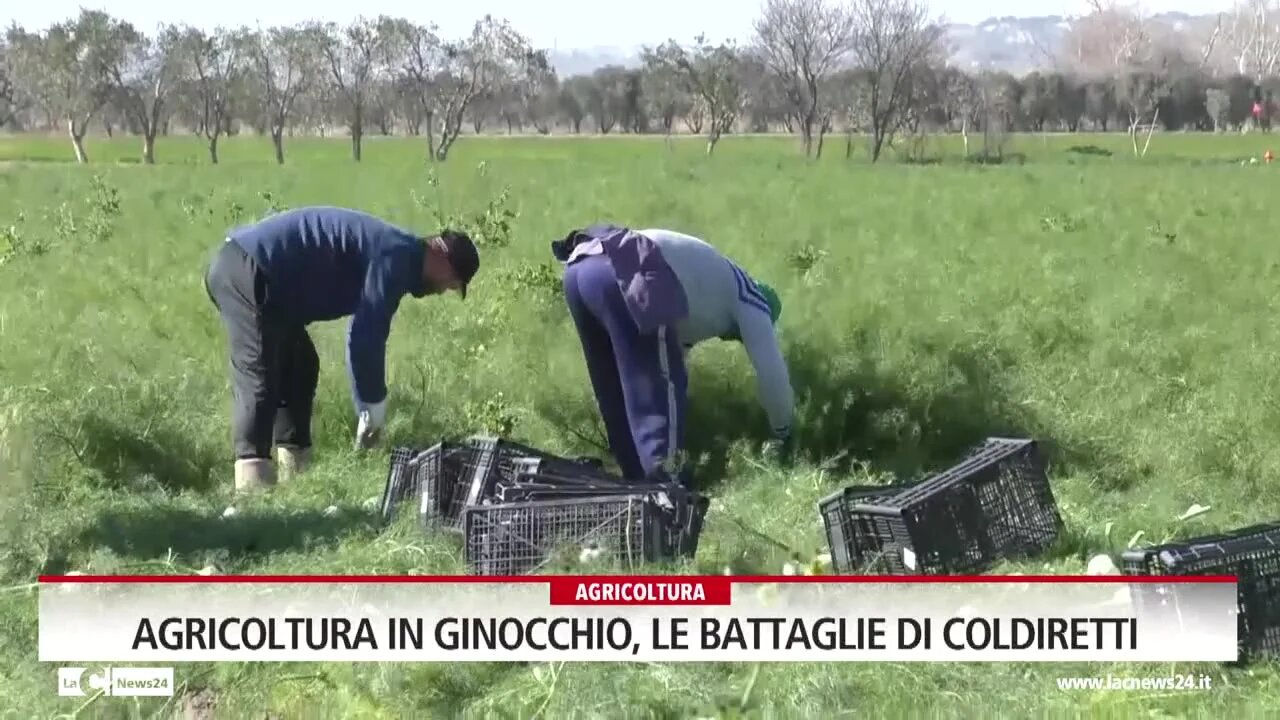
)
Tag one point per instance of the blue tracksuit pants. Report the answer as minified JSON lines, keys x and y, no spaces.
{"x":638,"y":379}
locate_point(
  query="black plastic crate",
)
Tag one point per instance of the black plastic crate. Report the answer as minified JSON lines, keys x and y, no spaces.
{"x":439,"y":478}
{"x":513,"y":457}
{"x":427,"y":478}
{"x":547,"y":485}
{"x":994,"y":504}
{"x":476,"y":477}
{"x":685,"y":513}
{"x":514,"y":465}
{"x":537,"y":492}
{"x":1252,"y":554}
{"x":489,"y":460}
{"x":469,"y":477}
{"x":853,"y":540}
{"x":620,"y":531}
{"x":684,"y":510}
{"x":403,"y":480}
{"x":399,"y":475}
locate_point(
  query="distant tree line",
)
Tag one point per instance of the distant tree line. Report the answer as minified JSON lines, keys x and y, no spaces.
{"x":873,"y":72}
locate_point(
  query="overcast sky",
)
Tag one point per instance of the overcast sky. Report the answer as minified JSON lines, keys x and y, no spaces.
{"x":561,"y":24}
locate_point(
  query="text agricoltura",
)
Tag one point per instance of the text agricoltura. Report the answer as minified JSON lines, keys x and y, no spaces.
{"x":583,"y":633}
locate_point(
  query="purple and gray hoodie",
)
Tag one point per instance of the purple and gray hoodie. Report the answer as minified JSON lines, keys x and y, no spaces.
{"x":672,"y":279}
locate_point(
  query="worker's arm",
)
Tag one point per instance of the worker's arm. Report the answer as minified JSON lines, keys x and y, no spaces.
{"x":772,"y":380}
{"x":370,"y":327}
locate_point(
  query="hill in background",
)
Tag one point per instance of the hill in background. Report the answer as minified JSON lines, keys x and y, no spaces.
{"x":1013,"y":44}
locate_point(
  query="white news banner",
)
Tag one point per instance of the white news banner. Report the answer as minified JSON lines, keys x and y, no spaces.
{"x":609,"y":619}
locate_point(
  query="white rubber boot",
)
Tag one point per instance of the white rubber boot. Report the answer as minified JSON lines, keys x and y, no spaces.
{"x":293,"y":461}
{"x":254,"y":475}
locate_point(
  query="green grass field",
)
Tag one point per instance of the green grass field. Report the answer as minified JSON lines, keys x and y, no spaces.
{"x":1123,"y":311}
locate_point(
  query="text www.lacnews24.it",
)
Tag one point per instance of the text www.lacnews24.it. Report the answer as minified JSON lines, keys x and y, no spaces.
{"x":1188,"y":681}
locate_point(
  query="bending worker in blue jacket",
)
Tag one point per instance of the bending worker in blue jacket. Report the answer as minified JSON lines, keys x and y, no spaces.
{"x":271,"y":279}
{"x":640,"y":300}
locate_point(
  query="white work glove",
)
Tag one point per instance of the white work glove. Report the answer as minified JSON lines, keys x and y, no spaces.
{"x":369,"y":426}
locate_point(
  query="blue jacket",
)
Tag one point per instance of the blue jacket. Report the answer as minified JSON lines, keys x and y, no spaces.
{"x":323,"y":263}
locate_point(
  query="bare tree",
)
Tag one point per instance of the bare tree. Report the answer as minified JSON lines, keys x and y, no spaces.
{"x":353,"y":57}
{"x":382,"y":107}
{"x":1217,"y":104}
{"x":995,"y":104}
{"x":839,"y":101}
{"x":421,"y":58}
{"x":473,"y":68}
{"x":139,"y":71}
{"x":607,"y":97}
{"x":802,"y":42}
{"x":533,"y":92}
{"x":1139,"y":92}
{"x":212,"y":64}
{"x":1253,"y":38}
{"x":317,"y":108}
{"x":407,"y":108}
{"x":1113,"y":41}
{"x":893,"y":41}
{"x":813,"y":67}
{"x":573,"y":99}
{"x":482,"y":108}
{"x":766,"y":105}
{"x":11,"y":101}
{"x":962,"y":102}
{"x":844,"y":104}
{"x":664,"y":92}
{"x":696,"y":117}
{"x":1113,"y":37}
{"x":57,"y":71}
{"x":284,"y":66}
{"x":711,"y":74}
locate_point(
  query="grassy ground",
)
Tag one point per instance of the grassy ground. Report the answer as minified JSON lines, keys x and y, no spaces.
{"x":1121,"y":310}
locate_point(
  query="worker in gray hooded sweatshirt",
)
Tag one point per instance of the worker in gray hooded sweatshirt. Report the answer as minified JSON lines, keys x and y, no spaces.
{"x":640,"y":300}
{"x":273,"y":278}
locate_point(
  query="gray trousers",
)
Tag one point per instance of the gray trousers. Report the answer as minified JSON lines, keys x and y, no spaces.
{"x":274,"y":366}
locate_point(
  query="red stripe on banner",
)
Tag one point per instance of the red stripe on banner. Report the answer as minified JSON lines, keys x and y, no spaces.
{"x":750,"y":579}
{"x":674,"y":590}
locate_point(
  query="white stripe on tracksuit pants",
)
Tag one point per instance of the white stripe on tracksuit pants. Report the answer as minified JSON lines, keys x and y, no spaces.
{"x":638,"y":379}
{"x":673,"y":420}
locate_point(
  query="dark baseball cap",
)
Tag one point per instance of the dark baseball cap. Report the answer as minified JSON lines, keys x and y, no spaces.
{"x":462,"y":255}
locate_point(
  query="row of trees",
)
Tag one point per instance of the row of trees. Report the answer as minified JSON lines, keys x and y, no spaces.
{"x":865,"y":67}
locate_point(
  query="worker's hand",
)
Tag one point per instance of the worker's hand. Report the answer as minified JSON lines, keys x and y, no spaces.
{"x":369,"y":425}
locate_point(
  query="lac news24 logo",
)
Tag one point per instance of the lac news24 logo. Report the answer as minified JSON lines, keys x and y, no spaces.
{"x":120,"y":682}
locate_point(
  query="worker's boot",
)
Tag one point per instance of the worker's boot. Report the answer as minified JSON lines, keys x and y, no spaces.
{"x":293,"y":461}
{"x":254,"y":475}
